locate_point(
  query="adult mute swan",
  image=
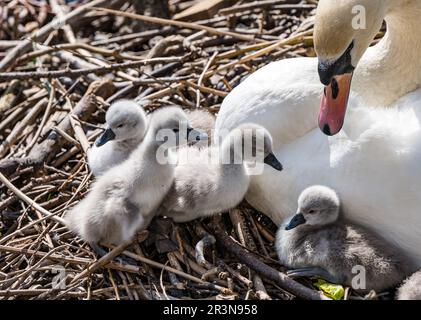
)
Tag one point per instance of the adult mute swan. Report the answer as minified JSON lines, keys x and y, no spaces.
{"x":375,"y":162}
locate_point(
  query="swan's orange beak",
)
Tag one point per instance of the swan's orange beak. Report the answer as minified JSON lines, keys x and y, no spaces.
{"x":334,"y":103}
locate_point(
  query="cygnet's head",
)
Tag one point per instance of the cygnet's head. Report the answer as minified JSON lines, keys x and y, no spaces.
{"x":125,"y":120}
{"x":343,"y":31}
{"x":317,"y":206}
{"x":250,"y":142}
{"x":171,"y":125}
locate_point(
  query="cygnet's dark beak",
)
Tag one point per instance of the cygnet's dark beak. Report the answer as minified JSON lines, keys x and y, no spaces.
{"x":273,"y":162}
{"x":296,"y":220}
{"x":196,"y":135}
{"x":107,"y":135}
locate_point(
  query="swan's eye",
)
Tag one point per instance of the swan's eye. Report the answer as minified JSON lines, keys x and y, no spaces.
{"x":175,"y":130}
{"x":311,"y":211}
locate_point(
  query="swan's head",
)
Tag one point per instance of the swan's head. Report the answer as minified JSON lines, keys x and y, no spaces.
{"x":343,"y":31}
{"x":125,"y":120}
{"x":317,"y":206}
{"x":170,"y":125}
{"x":250,"y":142}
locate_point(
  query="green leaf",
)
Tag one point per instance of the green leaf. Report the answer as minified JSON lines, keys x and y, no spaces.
{"x":333,"y":291}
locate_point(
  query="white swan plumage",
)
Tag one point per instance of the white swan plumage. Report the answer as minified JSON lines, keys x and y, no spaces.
{"x":375,"y":161}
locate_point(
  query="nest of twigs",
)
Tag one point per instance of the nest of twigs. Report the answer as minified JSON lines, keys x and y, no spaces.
{"x":61,"y":66}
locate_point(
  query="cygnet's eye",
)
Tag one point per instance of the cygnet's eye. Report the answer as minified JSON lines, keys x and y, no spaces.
{"x":311,"y":211}
{"x":120,"y":126}
{"x":175,"y":130}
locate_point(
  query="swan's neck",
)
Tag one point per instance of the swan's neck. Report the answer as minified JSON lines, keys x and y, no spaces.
{"x":392,"y":68}
{"x":149,"y":153}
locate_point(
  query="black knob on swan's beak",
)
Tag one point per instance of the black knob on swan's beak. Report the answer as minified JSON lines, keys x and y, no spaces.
{"x":329,"y":69}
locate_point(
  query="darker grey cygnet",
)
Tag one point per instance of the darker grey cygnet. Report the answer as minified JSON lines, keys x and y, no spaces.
{"x":317,"y":242}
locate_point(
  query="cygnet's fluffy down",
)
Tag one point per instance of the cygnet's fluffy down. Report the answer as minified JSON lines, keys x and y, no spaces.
{"x":124,"y":199}
{"x":202,"y":120}
{"x":213,"y":180}
{"x":315,"y":243}
{"x":126,"y":126}
{"x":411,"y":288}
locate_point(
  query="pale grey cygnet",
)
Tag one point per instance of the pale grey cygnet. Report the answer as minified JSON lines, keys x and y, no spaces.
{"x":125,"y":198}
{"x":126,"y":126}
{"x":214,"y":180}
